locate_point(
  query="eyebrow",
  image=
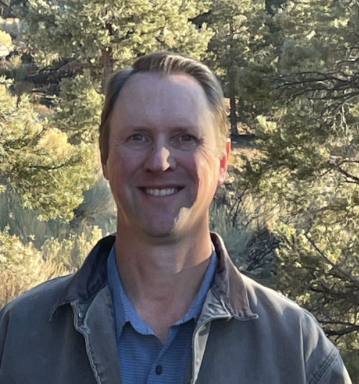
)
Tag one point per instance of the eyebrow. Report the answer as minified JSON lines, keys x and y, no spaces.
{"x":179,"y":128}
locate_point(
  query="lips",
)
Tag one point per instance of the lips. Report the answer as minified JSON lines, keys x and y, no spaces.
{"x":160,"y":191}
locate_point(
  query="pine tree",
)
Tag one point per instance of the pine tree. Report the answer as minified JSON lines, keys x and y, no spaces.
{"x":38,"y":162}
{"x":308,"y":165}
{"x":102,"y":36}
{"x":240,"y":41}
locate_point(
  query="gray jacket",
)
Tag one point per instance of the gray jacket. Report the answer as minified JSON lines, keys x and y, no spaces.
{"x":63,"y":332}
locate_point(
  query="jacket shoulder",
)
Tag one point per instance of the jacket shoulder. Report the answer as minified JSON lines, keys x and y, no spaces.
{"x":262,"y":298}
{"x":298,"y":327}
{"x":40,"y":298}
{"x":275,"y":308}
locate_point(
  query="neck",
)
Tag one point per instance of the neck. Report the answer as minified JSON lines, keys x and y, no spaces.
{"x":162,"y":278}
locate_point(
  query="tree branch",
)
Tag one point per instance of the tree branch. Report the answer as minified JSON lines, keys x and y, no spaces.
{"x":347,"y":174}
{"x":342,"y":331}
{"x":348,"y":275}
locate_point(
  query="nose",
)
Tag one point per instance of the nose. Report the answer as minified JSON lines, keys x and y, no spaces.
{"x":160,"y":159}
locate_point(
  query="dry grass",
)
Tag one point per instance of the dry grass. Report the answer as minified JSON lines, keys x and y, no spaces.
{"x":16,"y":279}
{"x":23,"y":267}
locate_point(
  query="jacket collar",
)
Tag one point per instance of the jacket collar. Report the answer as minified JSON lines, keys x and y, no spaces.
{"x":90,"y":278}
{"x":228,"y":287}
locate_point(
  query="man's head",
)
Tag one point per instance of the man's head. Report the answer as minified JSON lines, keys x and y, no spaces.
{"x":163,"y":153}
{"x":166,"y":63}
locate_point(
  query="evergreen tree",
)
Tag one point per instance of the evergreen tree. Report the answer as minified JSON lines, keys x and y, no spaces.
{"x":240,"y":41}
{"x":38,"y":162}
{"x":101,"y":36}
{"x":309,"y":165}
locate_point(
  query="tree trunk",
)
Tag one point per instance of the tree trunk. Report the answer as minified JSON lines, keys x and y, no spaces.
{"x":107,"y":59}
{"x":233,"y":115}
{"x":232,"y":81}
{"x":107,"y":62}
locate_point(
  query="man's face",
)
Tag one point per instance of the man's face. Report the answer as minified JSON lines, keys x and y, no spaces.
{"x":163,"y":163}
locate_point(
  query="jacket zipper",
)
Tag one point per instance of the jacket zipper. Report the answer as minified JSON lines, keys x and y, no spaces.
{"x":198,"y":326}
{"x":228,"y":316}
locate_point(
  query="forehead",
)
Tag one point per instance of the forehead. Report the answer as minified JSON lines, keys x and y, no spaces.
{"x":157,"y":82}
{"x":151,"y":95}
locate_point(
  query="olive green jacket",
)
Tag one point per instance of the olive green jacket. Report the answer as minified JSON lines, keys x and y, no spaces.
{"x":62,"y":332}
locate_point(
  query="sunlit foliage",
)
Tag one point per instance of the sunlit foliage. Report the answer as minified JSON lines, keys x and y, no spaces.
{"x":37,"y":161}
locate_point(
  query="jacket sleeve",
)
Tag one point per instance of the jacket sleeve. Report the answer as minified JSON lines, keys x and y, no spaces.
{"x":336,"y":373}
{"x":323,"y":361}
{"x":4,"y":321}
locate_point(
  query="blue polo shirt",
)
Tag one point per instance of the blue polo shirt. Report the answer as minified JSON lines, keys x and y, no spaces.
{"x":143,"y":358}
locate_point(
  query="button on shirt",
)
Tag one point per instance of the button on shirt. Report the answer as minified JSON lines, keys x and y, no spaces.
{"x":143,"y":358}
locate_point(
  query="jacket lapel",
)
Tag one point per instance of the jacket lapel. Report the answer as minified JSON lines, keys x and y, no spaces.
{"x":96,"y":322}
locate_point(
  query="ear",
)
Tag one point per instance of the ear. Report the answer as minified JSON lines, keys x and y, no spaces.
{"x":223,"y":162}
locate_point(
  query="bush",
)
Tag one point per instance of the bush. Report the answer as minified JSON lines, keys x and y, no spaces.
{"x":5,"y":39}
{"x":243,"y":223}
{"x":23,"y":266}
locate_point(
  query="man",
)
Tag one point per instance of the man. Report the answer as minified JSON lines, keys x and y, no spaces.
{"x":161,"y":302}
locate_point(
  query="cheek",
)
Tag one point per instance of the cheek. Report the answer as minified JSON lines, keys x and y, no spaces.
{"x":206,"y":167}
{"x":123,"y":162}
{"x":209,"y":163}
{"x":191,"y":162}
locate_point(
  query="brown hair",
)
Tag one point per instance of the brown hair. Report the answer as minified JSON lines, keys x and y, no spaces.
{"x":166,"y":63}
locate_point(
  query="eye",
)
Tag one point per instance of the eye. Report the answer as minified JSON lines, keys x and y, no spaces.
{"x":138,"y":137}
{"x":186,"y":141}
{"x":187,"y":138}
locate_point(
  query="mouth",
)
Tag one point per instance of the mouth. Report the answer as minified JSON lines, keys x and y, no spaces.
{"x":160,"y":191}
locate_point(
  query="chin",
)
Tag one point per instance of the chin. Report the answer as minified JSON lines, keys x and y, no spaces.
{"x":161,"y":233}
{"x":169,"y":231}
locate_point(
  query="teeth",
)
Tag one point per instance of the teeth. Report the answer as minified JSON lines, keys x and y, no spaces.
{"x":161,"y":192}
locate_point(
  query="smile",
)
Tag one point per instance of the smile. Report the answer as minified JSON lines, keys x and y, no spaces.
{"x":160,"y":192}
